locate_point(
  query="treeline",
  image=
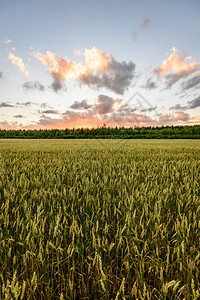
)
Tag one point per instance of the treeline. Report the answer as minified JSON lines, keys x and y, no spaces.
{"x":164,"y":132}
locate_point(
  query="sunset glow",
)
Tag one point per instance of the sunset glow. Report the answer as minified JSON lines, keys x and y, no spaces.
{"x":90,"y":64}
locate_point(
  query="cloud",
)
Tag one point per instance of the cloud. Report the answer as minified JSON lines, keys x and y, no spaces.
{"x":18,"y":116}
{"x":149,"y":84}
{"x":191,"y":83}
{"x":105,"y":104}
{"x":194,"y":103}
{"x":150,"y":109}
{"x":5,"y":104}
{"x":57,"y":84}
{"x":131,"y":119}
{"x":80,"y":105}
{"x":88,"y":115}
{"x":177,"y":107}
{"x":117,"y":77}
{"x":126,"y":116}
{"x":1,"y":74}
{"x":179,"y":116}
{"x":18,"y":62}
{"x":171,"y":79}
{"x":177,"y":64}
{"x":70,"y":119}
{"x":146,"y":21}
{"x":176,"y":67}
{"x":45,"y":105}
{"x":98,"y":70}
{"x":196,"y":119}
{"x":6,"y":125}
{"x":50,"y":111}
{"x":173,"y":119}
{"x":29,"y":85}
{"x":7,"y":41}
{"x":122,"y":117}
{"x":126,"y":108}
{"x":11,"y":125}
{"x":190,"y":104}
{"x":28,"y":103}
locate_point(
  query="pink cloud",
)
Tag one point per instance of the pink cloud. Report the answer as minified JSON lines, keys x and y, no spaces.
{"x":177,"y":64}
{"x":176,"y":67}
{"x":66,"y":69}
{"x":174,"y":118}
{"x":18,"y":61}
{"x":76,"y":119}
{"x":181,"y":116}
{"x":70,"y":119}
{"x":99,"y":69}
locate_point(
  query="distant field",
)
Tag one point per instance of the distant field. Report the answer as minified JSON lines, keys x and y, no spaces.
{"x":100,"y":219}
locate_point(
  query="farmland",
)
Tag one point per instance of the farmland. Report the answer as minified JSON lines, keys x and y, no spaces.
{"x":100,"y":219}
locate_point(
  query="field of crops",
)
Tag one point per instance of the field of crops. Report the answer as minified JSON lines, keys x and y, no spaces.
{"x":93,"y":219}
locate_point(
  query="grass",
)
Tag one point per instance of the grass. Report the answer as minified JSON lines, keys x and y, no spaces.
{"x":89,"y":219}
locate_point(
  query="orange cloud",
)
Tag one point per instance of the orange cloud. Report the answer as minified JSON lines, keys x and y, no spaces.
{"x":173,"y":119}
{"x":76,"y":119}
{"x":181,"y":116}
{"x":177,"y":64}
{"x":176,"y":67}
{"x":57,"y":65}
{"x":196,"y":119}
{"x":18,"y":62}
{"x":95,"y":61}
{"x":99,"y":69}
{"x":70,"y":119}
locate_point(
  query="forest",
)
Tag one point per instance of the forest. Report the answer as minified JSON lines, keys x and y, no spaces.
{"x":163,"y":132}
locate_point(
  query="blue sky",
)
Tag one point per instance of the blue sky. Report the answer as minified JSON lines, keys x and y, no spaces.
{"x":78,"y":63}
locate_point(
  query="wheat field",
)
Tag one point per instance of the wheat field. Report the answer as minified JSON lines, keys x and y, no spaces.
{"x":99,"y":219}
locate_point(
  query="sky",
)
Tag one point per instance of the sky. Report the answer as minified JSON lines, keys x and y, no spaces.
{"x":90,"y":63}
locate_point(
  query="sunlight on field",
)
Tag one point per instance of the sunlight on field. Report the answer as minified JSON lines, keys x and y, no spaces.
{"x":100,"y":219}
